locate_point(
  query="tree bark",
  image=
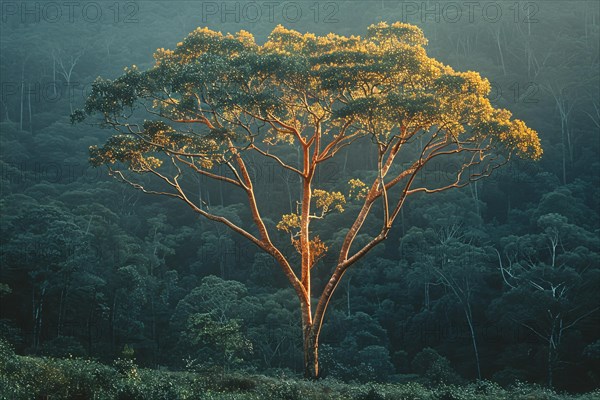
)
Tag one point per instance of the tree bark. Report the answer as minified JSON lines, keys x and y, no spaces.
{"x":311,"y":353}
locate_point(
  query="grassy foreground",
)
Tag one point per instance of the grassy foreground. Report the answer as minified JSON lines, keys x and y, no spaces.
{"x":24,"y":377}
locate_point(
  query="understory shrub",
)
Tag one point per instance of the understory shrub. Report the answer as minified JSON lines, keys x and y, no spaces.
{"x":25,"y":378}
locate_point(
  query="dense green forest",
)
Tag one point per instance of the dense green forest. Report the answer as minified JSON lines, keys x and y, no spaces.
{"x":497,"y":280}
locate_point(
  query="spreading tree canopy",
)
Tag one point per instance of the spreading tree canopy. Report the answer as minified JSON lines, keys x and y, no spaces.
{"x":215,"y":100}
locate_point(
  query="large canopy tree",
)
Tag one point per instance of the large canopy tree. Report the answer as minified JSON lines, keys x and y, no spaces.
{"x":217,"y":101}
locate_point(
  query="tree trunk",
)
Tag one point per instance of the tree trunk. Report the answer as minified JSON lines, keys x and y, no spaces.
{"x":113,"y":336}
{"x":348,"y":295}
{"x":311,"y":354}
{"x":550,"y":366}
{"x":38,"y":308}
{"x":60,"y":312}
{"x":552,"y":340}
{"x":22,"y":100}
{"x":54,"y":75}
{"x":469,"y":316}
{"x":29,"y":107}
{"x":500,"y":51}
{"x":89,"y":326}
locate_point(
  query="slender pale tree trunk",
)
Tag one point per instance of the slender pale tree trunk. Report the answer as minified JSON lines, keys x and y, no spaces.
{"x":54,"y":75}
{"x":61,"y":306}
{"x":348,"y":295}
{"x":22,"y":97}
{"x":463,"y":297}
{"x":113,"y":335}
{"x":497,"y":34}
{"x":550,"y":383}
{"x":38,"y":315}
{"x":469,"y":316}
{"x":29,"y":107}
{"x":90,"y":321}
{"x":475,"y":194}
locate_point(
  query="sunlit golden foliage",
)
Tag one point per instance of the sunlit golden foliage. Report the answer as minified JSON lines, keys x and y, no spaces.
{"x":215,"y":96}
{"x":358,"y":189}
{"x":289,"y":223}
{"x":380,"y":83}
{"x":329,"y":201}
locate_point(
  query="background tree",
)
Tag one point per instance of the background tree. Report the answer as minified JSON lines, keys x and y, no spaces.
{"x":222,"y":343}
{"x":552,"y":272}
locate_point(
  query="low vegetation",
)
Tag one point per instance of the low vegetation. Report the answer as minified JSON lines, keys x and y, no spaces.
{"x":25,"y":377}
